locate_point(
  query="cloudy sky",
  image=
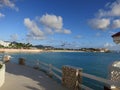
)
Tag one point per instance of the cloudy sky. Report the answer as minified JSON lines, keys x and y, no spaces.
{"x":60,"y":23}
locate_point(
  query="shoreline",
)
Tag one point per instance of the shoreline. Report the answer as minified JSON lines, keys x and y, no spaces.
{"x":34,"y":51}
{"x":21,"y":50}
{"x":63,"y":51}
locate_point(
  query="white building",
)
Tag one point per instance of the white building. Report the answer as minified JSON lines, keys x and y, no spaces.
{"x":4,"y":43}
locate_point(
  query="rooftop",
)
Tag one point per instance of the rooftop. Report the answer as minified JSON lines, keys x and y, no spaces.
{"x":26,"y":78}
{"x":116,"y":34}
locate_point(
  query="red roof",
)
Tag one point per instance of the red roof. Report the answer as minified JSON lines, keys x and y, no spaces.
{"x":116,"y":34}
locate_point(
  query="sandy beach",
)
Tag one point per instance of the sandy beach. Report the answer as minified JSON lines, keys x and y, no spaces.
{"x":33,"y":50}
{"x":21,"y":50}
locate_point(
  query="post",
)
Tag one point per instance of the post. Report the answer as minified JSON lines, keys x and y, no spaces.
{"x":71,"y":77}
{"x":107,"y":88}
{"x":21,"y":61}
{"x":6,"y":58}
{"x":50,"y":70}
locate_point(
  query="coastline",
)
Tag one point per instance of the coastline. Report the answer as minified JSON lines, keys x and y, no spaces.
{"x":34,"y":51}
{"x":63,"y":51}
{"x":21,"y":50}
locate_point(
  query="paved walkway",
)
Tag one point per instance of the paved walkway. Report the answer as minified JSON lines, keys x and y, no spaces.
{"x":25,"y":78}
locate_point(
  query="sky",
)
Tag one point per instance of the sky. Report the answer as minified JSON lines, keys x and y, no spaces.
{"x":61,"y":23}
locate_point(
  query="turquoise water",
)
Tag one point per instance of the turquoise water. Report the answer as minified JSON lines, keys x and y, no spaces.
{"x":92,"y":63}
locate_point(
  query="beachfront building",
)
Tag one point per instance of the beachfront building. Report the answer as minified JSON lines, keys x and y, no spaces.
{"x":116,"y":37}
{"x":104,"y":50}
{"x":4,"y":43}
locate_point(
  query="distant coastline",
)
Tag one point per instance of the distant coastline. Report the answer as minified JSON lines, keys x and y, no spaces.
{"x":63,"y":51}
{"x":33,"y":50}
{"x":37,"y":50}
{"x":17,"y":47}
{"x":20,"y":50}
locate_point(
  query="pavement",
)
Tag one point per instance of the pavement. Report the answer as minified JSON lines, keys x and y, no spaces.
{"x":18,"y":77}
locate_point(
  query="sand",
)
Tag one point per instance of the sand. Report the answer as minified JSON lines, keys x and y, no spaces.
{"x":20,"y":50}
{"x":33,"y":50}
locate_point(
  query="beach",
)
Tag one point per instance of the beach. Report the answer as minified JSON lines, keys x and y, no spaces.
{"x":6,"y":50}
{"x":33,"y":50}
{"x":21,"y":50}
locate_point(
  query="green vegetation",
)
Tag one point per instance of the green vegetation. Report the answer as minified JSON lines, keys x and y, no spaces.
{"x":1,"y":46}
{"x":16,"y":45}
{"x":1,"y":66}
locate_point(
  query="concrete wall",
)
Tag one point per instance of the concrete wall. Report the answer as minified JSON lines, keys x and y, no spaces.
{"x":2,"y":75}
{"x":71,"y":77}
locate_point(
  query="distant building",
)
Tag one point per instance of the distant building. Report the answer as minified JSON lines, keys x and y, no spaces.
{"x":104,"y":50}
{"x":4,"y":43}
{"x":116,"y":38}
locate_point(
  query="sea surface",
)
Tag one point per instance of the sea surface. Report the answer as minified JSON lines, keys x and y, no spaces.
{"x":92,"y":63}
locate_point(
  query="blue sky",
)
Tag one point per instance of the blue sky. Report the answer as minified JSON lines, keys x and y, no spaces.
{"x":74,"y":23}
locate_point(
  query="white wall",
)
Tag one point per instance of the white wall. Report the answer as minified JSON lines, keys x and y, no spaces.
{"x":2,"y":75}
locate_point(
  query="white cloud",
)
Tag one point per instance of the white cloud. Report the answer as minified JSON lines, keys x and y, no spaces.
{"x":58,"y":31}
{"x":67,"y":31}
{"x":64,"y":31}
{"x":8,"y":3}
{"x":100,"y":23}
{"x":54,"y":23}
{"x":49,"y":31}
{"x":113,"y":9}
{"x":35,"y":31}
{"x":2,"y":15}
{"x":116,"y":24}
{"x":112,"y":14}
{"x":50,"y":24}
{"x":112,"y":46}
{"x":108,"y":45}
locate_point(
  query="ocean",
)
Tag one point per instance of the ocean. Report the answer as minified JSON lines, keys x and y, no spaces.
{"x":92,"y":63}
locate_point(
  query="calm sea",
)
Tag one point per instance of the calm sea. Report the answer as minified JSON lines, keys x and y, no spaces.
{"x":93,"y":63}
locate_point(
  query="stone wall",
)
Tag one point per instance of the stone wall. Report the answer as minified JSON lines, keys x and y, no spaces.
{"x":115,"y":75}
{"x":71,"y":77}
